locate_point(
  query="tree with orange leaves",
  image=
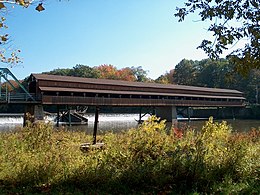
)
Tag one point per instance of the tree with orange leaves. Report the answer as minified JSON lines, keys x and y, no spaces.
{"x":111,"y":72}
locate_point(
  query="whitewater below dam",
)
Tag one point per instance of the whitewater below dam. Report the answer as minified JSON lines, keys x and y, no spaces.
{"x":117,"y":122}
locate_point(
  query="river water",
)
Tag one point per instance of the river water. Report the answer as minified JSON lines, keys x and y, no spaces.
{"x":119,"y":122}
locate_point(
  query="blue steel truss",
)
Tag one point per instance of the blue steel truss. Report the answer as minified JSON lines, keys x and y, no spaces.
{"x":4,"y":73}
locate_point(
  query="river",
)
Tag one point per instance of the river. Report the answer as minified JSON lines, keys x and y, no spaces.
{"x":119,"y":122}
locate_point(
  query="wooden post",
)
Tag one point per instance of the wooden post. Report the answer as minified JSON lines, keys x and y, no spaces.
{"x":25,"y":119}
{"x":140,"y":116}
{"x":58,"y":116}
{"x":95,"y":126}
{"x":189,"y":109}
{"x":69,"y":117}
{"x":217,"y":113}
{"x":153,"y":111}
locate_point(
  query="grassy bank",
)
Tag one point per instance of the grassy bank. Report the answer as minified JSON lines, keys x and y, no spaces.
{"x":40,"y":159}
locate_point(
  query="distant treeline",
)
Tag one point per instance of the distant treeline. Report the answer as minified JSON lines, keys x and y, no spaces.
{"x":104,"y":72}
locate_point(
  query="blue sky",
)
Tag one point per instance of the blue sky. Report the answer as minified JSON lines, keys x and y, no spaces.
{"x":94,"y":32}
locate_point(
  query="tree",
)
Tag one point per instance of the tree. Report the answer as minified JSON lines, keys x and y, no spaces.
{"x":230,"y":22}
{"x":126,"y":74}
{"x":77,"y":71}
{"x":84,"y":71}
{"x":107,"y":71}
{"x":185,"y":72}
{"x":103,"y":71}
{"x":140,"y":74}
{"x":59,"y":71}
{"x":111,"y":72}
{"x":212,"y":73}
{"x":163,"y":79}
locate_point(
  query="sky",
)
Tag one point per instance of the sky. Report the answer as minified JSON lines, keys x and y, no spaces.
{"x":123,"y":33}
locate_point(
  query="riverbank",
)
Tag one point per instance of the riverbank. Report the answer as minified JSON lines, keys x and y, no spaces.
{"x":146,"y":160}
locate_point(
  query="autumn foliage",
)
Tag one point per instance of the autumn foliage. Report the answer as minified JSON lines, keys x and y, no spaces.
{"x":111,"y":72}
{"x":8,"y":86}
{"x":104,"y":71}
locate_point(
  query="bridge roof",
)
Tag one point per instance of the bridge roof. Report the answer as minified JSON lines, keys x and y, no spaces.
{"x":70,"y":79}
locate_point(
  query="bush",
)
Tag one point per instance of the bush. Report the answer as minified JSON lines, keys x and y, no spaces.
{"x":38,"y":156}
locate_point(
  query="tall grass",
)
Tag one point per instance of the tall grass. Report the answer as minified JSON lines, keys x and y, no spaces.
{"x":40,"y":159}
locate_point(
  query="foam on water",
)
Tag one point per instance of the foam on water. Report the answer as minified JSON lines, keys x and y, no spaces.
{"x":11,"y":120}
{"x":115,"y":117}
{"x":106,"y":121}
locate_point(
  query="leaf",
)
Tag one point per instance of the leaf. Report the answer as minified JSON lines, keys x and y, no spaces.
{"x":21,"y":2}
{"x":40,"y":8}
{"x":2,"y":5}
{"x":4,"y":38}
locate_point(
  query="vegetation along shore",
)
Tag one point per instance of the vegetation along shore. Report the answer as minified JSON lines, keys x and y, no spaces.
{"x":150,"y":159}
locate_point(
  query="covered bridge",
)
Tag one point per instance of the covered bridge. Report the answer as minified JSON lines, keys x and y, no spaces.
{"x":67,"y":90}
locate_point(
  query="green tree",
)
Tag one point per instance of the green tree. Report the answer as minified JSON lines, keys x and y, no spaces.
{"x":140,"y":74}
{"x":163,"y":79}
{"x":252,"y":87}
{"x":84,"y":71}
{"x":59,"y":71}
{"x":185,"y":73}
{"x":230,"y":22}
{"x":212,"y":73}
{"x":77,"y":71}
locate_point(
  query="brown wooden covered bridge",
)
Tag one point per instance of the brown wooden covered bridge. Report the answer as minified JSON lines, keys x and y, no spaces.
{"x":67,"y":90}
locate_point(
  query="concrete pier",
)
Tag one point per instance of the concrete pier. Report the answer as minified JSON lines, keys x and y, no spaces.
{"x":33,"y":113}
{"x":169,"y":113}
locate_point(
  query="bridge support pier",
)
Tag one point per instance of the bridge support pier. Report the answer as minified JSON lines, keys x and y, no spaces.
{"x":169,"y":113}
{"x":33,"y":113}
